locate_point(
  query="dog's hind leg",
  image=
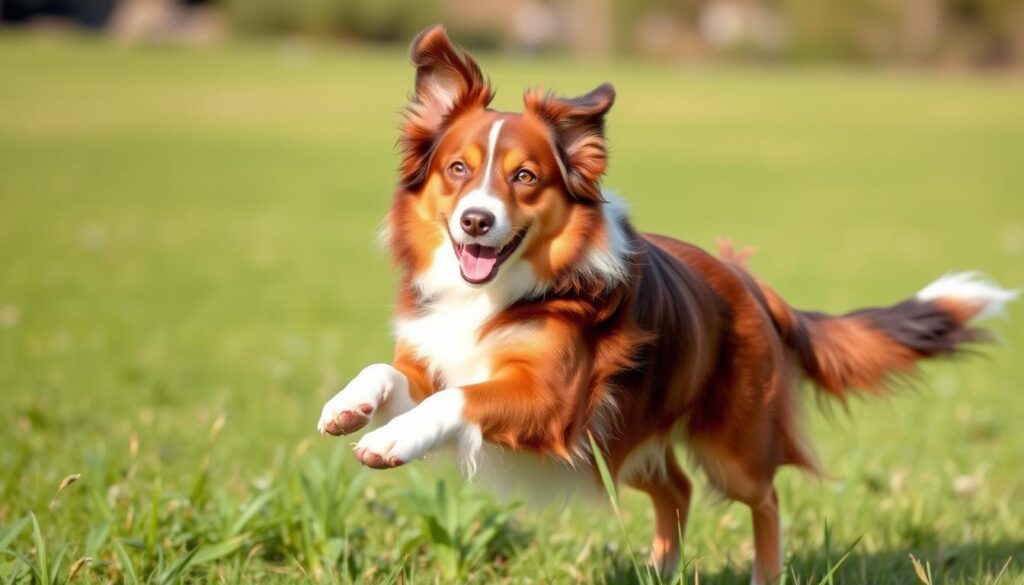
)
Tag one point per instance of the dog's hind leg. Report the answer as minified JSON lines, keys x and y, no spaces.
{"x":767,"y":538}
{"x":670,"y":491}
{"x":740,"y":479}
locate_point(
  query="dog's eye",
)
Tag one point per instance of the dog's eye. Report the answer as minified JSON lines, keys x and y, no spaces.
{"x":458,"y":169}
{"x":524,"y":176}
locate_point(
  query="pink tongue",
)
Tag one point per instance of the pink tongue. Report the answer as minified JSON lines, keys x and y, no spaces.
{"x":477,"y":261}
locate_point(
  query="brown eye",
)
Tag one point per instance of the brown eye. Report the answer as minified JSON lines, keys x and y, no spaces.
{"x":524,"y":176}
{"x":458,"y":169}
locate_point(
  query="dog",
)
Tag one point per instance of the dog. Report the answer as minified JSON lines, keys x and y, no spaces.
{"x":532,"y":316}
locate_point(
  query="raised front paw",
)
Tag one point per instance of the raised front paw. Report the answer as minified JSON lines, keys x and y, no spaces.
{"x":344,"y":421}
{"x":415,"y":433}
{"x":389,"y":446}
{"x":352,"y":408}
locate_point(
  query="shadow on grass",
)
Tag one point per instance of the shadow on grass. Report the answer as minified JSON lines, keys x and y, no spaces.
{"x":961,"y":563}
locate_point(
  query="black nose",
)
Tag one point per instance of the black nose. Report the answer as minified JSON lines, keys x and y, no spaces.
{"x":476,"y":221}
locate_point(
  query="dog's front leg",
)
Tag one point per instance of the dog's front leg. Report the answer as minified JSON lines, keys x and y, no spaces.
{"x":512,"y":410}
{"x":433,"y":422}
{"x":379,"y":388}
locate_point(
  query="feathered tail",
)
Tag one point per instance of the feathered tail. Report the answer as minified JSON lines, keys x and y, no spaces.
{"x":865,"y":348}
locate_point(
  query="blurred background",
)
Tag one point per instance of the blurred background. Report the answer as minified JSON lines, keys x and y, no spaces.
{"x":189,"y":195}
{"x":938,"y":33}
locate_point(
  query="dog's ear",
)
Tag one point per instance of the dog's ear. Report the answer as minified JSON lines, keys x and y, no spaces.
{"x":448,"y":83}
{"x":577,"y":125}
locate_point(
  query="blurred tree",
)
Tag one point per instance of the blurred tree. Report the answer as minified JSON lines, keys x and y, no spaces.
{"x":377,"y":20}
{"x":919,"y":32}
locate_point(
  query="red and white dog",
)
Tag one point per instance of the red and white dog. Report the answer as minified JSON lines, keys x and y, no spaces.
{"x":531,"y":314}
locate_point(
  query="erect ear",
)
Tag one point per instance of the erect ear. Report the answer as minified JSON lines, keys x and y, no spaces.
{"x":448,"y":82}
{"x":578,"y":130}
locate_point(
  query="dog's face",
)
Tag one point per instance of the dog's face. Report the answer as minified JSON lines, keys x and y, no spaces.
{"x":484,"y":192}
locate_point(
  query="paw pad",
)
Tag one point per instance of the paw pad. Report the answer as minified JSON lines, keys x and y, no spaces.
{"x":348,"y":421}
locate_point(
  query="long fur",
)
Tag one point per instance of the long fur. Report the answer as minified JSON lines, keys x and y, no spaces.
{"x":591,"y":329}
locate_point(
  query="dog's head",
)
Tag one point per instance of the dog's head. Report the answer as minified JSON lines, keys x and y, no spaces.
{"x":490,"y":198}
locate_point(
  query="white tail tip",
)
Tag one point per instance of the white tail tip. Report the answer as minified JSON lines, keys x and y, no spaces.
{"x":971,"y":287}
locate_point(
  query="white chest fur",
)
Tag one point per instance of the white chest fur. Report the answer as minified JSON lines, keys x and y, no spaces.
{"x":445,"y":336}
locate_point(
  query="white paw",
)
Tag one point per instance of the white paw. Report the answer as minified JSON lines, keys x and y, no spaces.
{"x":415,"y":433}
{"x":389,"y":447}
{"x":352,"y":408}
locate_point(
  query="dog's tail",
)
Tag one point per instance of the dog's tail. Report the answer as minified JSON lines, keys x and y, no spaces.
{"x":865,"y":349}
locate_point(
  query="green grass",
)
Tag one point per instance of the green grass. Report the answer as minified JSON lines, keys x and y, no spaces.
{"x":187,"y":271}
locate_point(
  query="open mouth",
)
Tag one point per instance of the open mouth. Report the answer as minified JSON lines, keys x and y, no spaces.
{"x":479,"y":264}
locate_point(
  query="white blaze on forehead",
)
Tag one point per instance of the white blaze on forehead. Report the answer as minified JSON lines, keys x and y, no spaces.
{"x":482,"y":198}
{"x":492,"y":146}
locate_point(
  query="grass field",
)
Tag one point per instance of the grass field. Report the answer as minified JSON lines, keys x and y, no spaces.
{"x":187,"y":271}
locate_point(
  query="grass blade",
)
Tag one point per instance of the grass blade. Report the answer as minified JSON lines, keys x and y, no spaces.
{"x":178,"y":567}
{"x":609,"y":487}
{"x":37,"y":536}
{"x":128,"y":574}
{"x":205,"y":554}
{"x":1002,"y":571}
{"x":606,"y":476}
{"x":353,"y":489}
{"x":154,"y":516}
{"x":58,"y":561}
{"x":15,"y":577}
{"x":828,"y":578}
{"x":97,"y":537}
{"x":253,"y":508}
{"x":11,"y":532}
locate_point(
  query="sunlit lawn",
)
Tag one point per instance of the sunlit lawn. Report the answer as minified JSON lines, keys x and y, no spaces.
{"x":186,"y":240}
